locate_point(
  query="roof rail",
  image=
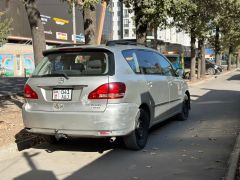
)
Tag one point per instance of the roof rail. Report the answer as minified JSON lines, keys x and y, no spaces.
{"x":123,"y":42}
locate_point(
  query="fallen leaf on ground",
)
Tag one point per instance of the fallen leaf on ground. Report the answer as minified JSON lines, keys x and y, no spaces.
{"x":135,"y":178}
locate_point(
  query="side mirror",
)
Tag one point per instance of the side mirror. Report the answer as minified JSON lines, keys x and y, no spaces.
{"x":180,"y":73}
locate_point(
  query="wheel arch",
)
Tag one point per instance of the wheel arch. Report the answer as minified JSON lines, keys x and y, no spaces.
{"x":145,"y":107}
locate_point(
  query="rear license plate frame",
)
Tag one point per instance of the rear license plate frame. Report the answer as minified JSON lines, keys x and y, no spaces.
{"x":62,"y":89}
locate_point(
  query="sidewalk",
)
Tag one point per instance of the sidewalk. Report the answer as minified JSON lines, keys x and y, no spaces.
{"x":209,"y":77}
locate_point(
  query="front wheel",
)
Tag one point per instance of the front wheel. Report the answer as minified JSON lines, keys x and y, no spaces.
{"x":137,"y":139}
{"x":211,"y":71}
{"x":183,"y":115}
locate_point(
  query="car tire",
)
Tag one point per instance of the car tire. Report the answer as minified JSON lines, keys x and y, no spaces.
{"x":211,"y":71}
{"x":183,"y":115}
{"x":137,"y":139}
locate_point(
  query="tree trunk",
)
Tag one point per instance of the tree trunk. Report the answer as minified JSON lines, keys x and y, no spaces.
{"x":238,"y":58}
{"x":193,"y":57}
{"x":155,"y":43}
{"x":199,"y":59}
{"x":229,"y":59}
{"x":141,"y":23}
{"x":202,"y":56}
{"x":89,"y":18}
{"x":217,"y":46}
{"x":199,"y":67}
{"x":37,"y":29}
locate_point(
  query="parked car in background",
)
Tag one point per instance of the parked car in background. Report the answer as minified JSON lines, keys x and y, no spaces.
{"x":118,"y":90}
{"x":211,"y":68}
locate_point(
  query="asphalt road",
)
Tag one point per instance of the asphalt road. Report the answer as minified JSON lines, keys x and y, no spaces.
{"x":12,"y":85}
{"x":196,"y":149}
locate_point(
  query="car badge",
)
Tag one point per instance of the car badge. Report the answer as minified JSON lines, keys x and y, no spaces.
{"x":58,"y":106}
{"x":61,"y":80}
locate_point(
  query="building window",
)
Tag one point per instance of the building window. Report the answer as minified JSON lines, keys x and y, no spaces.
{"x":125,"y":13}
{"x":126,"y":23}
{"x":126,"y":33}
{"x":119,"y":33}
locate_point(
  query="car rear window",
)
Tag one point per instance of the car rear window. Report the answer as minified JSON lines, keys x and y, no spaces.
{"x":84,"y":63}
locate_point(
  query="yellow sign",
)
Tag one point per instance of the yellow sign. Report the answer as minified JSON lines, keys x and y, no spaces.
{"x":60,"y":21}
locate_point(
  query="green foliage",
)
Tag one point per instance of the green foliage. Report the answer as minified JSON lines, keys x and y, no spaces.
{"x":230,"y":24}
{"x":193,"y":16}
{"x":5,"y":28}
{"x":84,"y":3}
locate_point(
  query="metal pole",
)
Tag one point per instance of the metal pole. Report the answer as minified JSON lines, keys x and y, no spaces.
{"x":74,"y":22}
{"x":101,"y":22}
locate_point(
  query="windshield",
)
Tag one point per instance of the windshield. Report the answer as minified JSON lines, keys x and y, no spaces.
{"x":74,"y":64}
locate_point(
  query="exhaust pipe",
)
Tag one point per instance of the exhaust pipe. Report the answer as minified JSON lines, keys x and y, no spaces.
{"x":112,"y":139}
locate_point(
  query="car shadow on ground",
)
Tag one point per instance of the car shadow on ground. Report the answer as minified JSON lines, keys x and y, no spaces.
{"x":93,"y":144}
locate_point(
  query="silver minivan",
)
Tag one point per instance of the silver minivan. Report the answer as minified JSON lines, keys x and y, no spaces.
{"x":103,"y":91}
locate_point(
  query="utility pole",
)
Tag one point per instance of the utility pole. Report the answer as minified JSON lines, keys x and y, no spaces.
{"x":74,"y":22}
{"x":101,"y":21}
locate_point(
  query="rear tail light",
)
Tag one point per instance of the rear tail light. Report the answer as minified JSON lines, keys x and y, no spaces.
{"x":29,"y":93}
{"x":115,"y":90}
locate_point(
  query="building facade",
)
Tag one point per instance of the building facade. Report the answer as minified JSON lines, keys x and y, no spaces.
{"x":16,"y":57}
{"x":128,"y":28}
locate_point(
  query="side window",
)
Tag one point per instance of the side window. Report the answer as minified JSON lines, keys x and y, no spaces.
{"x":148,"y":62}
{"x":131,"y":58}
{"x":166,"y":66}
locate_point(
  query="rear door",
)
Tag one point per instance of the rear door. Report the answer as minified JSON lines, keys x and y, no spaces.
{"x":64,"y":80}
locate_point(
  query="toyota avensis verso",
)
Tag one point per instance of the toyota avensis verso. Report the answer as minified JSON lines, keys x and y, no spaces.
{"x":117,"y":90}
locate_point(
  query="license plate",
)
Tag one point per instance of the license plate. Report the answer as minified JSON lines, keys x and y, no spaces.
{"x":62,"y":94}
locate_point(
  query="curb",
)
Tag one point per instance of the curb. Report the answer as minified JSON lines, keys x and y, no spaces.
{"x":233,"y":161}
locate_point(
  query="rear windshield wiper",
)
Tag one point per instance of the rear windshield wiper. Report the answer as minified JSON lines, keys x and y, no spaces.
{"x":56,"y":75}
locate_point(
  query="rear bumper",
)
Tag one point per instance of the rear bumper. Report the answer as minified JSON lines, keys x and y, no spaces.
{"x":116,"y":120}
